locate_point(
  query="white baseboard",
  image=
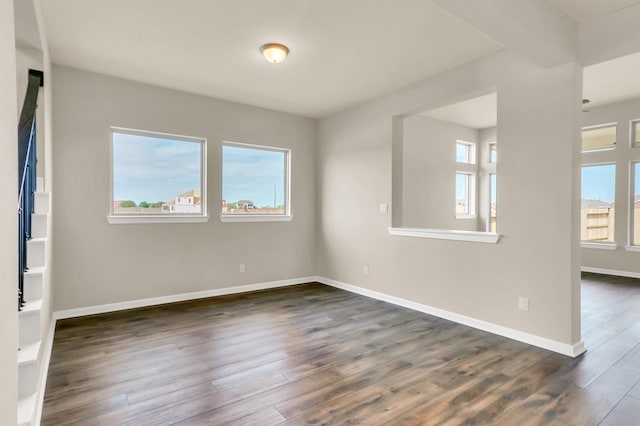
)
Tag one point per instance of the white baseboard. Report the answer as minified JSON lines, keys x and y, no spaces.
{"x":141,"y":303}
{"x":610,"y":272}
{"x":552,"y":345}
{"x":531,"y":339}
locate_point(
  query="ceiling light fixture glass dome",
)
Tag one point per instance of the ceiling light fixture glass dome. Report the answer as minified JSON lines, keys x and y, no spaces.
{"x":274,"y":52}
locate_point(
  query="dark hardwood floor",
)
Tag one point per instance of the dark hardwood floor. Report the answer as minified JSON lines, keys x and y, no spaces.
{"x":312,"y":354}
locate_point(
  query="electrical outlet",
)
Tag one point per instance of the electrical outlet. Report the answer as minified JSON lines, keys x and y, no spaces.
{"x":523,"y":304}
{"x":384,"y":208}
{"x":365,"y":271}
{"x":241,"y":269}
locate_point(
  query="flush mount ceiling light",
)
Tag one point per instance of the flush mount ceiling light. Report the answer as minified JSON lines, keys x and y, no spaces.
{"x":274,"y":52}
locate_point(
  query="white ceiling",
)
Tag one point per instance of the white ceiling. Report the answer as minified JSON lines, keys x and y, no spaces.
{"x":477,"y":113}
{"x":612,"y":81}
{"x":608,"y":82}
{"x":343,"y":52}
{"x":583,"y":11}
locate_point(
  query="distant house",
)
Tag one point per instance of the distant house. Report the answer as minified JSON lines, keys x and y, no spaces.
{"x":244,"y":205}
{"x":189,"y":202}
{"x":116,"y":203}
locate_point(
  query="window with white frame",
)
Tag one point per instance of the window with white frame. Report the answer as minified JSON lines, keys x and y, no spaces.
{"x":465,"y":194}
{"x":255,"y":182}
{"x":465,"y":152}
{"x":597,"y":138}
{"x":493,"y":152}
{"x":493,"y":205}
{"x":465,"y":189}
{"x":597,"y":204}
{"x":635,"y":204}
{"x":157,"y":177}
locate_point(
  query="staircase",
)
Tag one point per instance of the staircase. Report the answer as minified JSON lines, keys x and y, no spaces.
{"x":29,"y":324}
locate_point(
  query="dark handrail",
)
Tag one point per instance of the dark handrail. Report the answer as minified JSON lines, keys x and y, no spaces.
{"x":26,"y":174}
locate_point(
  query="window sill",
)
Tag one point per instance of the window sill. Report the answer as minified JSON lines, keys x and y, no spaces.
{"x":256,"y":218}
{"x":444,"y":234}
{"x":632,"y":248}
{"x":122,"y":220}
{"x":466,"y":216}
{"x":599,"y":246}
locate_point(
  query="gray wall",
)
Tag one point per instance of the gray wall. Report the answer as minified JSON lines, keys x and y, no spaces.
{"x":8,"y":218}
{"x":539,"y":166}
{"x":619,"y":260}
{"x":97,"y":263}
{"x":429,"y":172}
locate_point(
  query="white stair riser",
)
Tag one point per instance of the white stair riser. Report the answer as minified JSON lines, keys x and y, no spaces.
{"x":26,"y":408}
{"x":28,"y":374}
{"x":42,"y":202}
{"x":39,"y":225}
{"x":28,"y":327}
{"x":33,"y":284}
{"x":29,"y":319}
{"x":36,"y":253}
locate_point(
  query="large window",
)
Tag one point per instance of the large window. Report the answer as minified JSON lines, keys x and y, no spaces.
{"x":465,"y":152}
{"x":598,"y":207}
{"x":156,"y":175}
{"x":599,"y":137}
{"x":635,"y":209}
{"x":465,"y":179}
{"x":493,"y":207}
{"x":465,"y":190}
{"x":255,"y":181}
{"x":493,"y":152}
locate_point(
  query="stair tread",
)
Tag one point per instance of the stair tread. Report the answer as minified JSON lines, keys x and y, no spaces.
{"x":31,"y":306}
{"x":26,"y":408}
{"x":28,"y":353}
{"x":35,"y":270}
{"x":37,"y":240}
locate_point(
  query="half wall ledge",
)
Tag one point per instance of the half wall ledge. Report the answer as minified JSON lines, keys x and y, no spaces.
{"x":445,"y":234}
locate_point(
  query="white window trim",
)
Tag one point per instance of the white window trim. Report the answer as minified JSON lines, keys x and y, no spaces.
{"x":445,"y":234}
{"x":598,"y":126}
{"x":632,"y":200}
{"x":493,"y":144}
{"x":490,"y":193}
{"x":256,"y":218}
{"x":592,"y":244}
{"x":472,"y":154}
{"x":126,"y":220}
{"x":287,"y":216}
{"x":599,"y":246}
{"x":159,"y":218}
{"x":471,"y":195}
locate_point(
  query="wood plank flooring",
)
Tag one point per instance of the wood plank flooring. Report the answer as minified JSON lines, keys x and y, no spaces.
{"x":312,"y":354}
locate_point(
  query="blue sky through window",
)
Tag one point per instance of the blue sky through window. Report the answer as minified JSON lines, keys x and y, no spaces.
{"x":637,"y":180}
{"x":493,"y":188}
{"x":154,"y":169}
{"x":256,"y":175}
{"x":599,"y":182}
